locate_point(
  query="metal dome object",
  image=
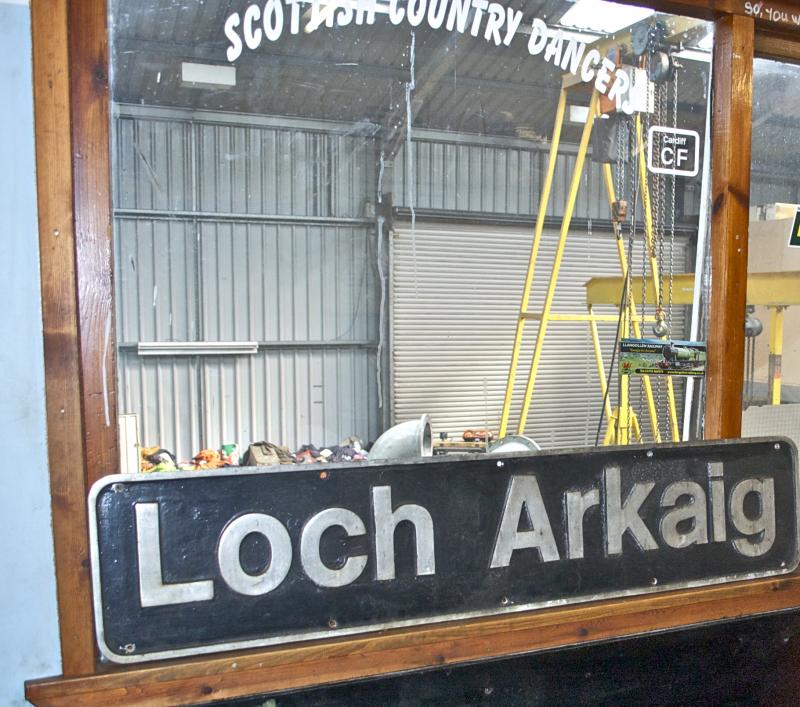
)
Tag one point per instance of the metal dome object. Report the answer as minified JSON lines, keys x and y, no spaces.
{"x":407,"y":440}
{"x":514,"y":443}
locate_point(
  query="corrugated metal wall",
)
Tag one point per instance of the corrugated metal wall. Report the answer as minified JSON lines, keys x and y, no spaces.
{"x":476,"y":174}
{"x":455,"y":299}
{"x":245,"y":228}
{"x":231,"y":229}
{"x":472,"y":174}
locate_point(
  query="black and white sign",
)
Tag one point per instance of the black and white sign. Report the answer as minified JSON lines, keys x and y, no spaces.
{"x":673,"y":151}
{"x":197,"y":562}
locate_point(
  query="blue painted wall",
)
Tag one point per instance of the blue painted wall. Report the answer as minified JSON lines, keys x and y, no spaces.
{"x":28,"y":617}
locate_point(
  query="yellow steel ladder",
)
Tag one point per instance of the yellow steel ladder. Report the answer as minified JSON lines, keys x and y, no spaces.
{"x":623,"y":420}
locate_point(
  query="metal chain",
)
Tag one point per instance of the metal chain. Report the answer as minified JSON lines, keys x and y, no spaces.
{"x":622,"y":145}
{"x":672,"y":198}
{"x":618,"y":165}
{"x":644,"y":271}
{"x":658,"y":221}
{"x":631,"y":221}
{"x":653,"y":189}
{"x":631,"y":155}
{"x":655,"y":194}
{"x":657,"y":243}
{"x":647,"y":194}
{"x":663,"y":216}
{"x":662,"y":232}
{"x":643,"y":313}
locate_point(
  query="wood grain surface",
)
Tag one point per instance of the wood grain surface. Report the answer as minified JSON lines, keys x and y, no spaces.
{"x":730,"y":218}
{"x":88,"y":51}
{"x":60,"y":327}
{"x":781,"y":46}
{"x":258,"y":672}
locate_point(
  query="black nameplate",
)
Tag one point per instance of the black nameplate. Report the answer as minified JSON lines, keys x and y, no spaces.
{"x":188,"y":563}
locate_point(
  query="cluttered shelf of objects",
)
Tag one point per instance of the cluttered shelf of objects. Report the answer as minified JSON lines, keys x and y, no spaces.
{"x":405,"y":440}
{"x":153,"y":459}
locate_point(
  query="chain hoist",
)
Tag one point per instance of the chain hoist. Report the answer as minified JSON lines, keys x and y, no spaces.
{"x":656,"y":58}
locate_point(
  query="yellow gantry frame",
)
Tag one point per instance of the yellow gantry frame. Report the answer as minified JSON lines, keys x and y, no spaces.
{"x":623,"y":421}
{"x":774,"y":290}
{"x":775,"y":354}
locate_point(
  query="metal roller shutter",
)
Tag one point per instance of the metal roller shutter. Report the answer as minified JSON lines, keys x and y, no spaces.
{"x":455,"y":294}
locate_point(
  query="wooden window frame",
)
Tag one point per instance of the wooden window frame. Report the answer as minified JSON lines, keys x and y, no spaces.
{"x":73,"y":182}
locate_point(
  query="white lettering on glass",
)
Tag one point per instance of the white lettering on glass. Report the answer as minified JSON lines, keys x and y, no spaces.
{"x":492,"y":22}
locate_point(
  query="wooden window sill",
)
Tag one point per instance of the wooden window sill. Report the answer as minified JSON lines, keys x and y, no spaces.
{"x":240,"y":674}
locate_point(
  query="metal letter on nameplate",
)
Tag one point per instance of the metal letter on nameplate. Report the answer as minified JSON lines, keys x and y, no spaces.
{"x":196,"y":562}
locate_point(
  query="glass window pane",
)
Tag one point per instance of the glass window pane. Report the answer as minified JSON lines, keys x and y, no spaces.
{"x":772,"y":356}
{"x":325,"y":210}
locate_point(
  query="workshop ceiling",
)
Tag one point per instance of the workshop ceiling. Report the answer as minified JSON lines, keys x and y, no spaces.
{"x":355,"y":74}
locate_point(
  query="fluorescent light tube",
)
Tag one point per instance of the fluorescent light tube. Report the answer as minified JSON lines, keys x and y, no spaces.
{"x":603,"y":17}
{"x":208,"y":74}
{"x":196,"y":348}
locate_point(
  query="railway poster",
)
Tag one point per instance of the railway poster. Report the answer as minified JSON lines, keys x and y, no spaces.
{"x":662,"y":357}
